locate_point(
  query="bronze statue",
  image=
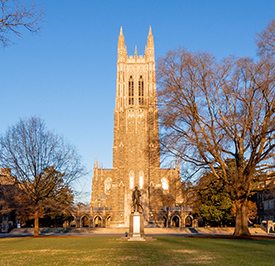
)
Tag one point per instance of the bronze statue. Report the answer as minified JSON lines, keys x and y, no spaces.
{"x":136,"y":201}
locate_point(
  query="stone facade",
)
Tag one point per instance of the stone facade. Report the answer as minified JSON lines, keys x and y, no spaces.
{"x":136,"y":150}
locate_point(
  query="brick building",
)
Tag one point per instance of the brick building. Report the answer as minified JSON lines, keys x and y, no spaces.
{"x":136,"y":155}
{"x":7,"y":190}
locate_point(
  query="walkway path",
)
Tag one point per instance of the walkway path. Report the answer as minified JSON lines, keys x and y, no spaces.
{"x":201,"y":231}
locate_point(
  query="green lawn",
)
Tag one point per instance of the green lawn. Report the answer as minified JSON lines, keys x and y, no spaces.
{"x":109,"y":251}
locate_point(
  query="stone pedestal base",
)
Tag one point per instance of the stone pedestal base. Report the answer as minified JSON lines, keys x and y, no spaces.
{"x":136,"y":238}
{"x":136,"y":229}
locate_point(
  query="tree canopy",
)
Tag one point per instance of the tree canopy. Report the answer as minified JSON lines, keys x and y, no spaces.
{"x":266,"y":39}
{"x":212,"y":111}
{"x":43,"y":164}
{"x":213,"y":201}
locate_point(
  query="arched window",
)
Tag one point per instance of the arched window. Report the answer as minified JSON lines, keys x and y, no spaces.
{"x":140,"y":91}
{"x":164,"y":183}
{"x":131,"y":179}
{"x":131,"y":91}
{"x":141,"y":179}
{"x":108,"y":185}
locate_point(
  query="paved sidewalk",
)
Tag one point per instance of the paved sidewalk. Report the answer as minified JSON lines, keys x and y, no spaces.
{"x":119,"y":232}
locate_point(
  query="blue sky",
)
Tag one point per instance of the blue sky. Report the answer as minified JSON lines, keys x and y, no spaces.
{"x":67,"y":73}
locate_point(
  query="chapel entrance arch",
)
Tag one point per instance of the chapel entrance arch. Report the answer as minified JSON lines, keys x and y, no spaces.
{"x":85,"y":221}
{"x":175,"y":222}
{"x":188,"y":221}
{"x":98,"y":221}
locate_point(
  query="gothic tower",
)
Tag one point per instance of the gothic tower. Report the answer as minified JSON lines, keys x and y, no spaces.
{"x":136,"y":158}
{"x":136,"y":133}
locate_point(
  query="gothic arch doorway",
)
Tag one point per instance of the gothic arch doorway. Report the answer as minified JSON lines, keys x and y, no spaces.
{"x":98,"y":221}
{"x":188,"y":221}
{"x":175,"y":221}
{"x":85,"y":221}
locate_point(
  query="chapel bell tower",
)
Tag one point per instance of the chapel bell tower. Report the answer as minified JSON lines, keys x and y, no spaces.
{"x":136,"y":150}
{"x":136,"y":130}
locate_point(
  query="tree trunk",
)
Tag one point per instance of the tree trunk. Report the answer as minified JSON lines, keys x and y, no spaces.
{"x":241,"y":227}
{"x":36,"y":223}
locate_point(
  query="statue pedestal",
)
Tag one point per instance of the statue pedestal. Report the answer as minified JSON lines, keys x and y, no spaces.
{"x":136,"y":229}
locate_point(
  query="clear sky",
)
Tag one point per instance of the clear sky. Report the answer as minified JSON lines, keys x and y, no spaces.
{"x":67,"y":73}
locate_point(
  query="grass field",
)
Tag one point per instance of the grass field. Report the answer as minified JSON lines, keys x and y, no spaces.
{"x":109,"y":251}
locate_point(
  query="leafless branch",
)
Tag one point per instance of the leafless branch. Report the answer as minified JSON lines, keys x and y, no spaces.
{"x":16,"y":14}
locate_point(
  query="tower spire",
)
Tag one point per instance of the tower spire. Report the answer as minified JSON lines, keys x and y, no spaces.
{"x":149,"y":51}
{"x":150,"y":31}
{"x":122,"y":51}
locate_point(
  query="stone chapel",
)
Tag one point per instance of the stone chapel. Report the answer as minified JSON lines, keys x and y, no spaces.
{"x":136,"y":151}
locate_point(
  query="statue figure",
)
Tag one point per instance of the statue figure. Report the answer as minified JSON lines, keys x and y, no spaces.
{"x":136,"y":201}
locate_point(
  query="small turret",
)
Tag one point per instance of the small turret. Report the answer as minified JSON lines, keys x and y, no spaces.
{"x":96,"y":168}
{"x":136,"y":53}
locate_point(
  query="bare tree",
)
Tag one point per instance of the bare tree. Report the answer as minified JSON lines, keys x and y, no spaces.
{"x":16,"y":14}
{"x":214,"y":111}
{"x":43,"y":164}
{"x":266,"y":39}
